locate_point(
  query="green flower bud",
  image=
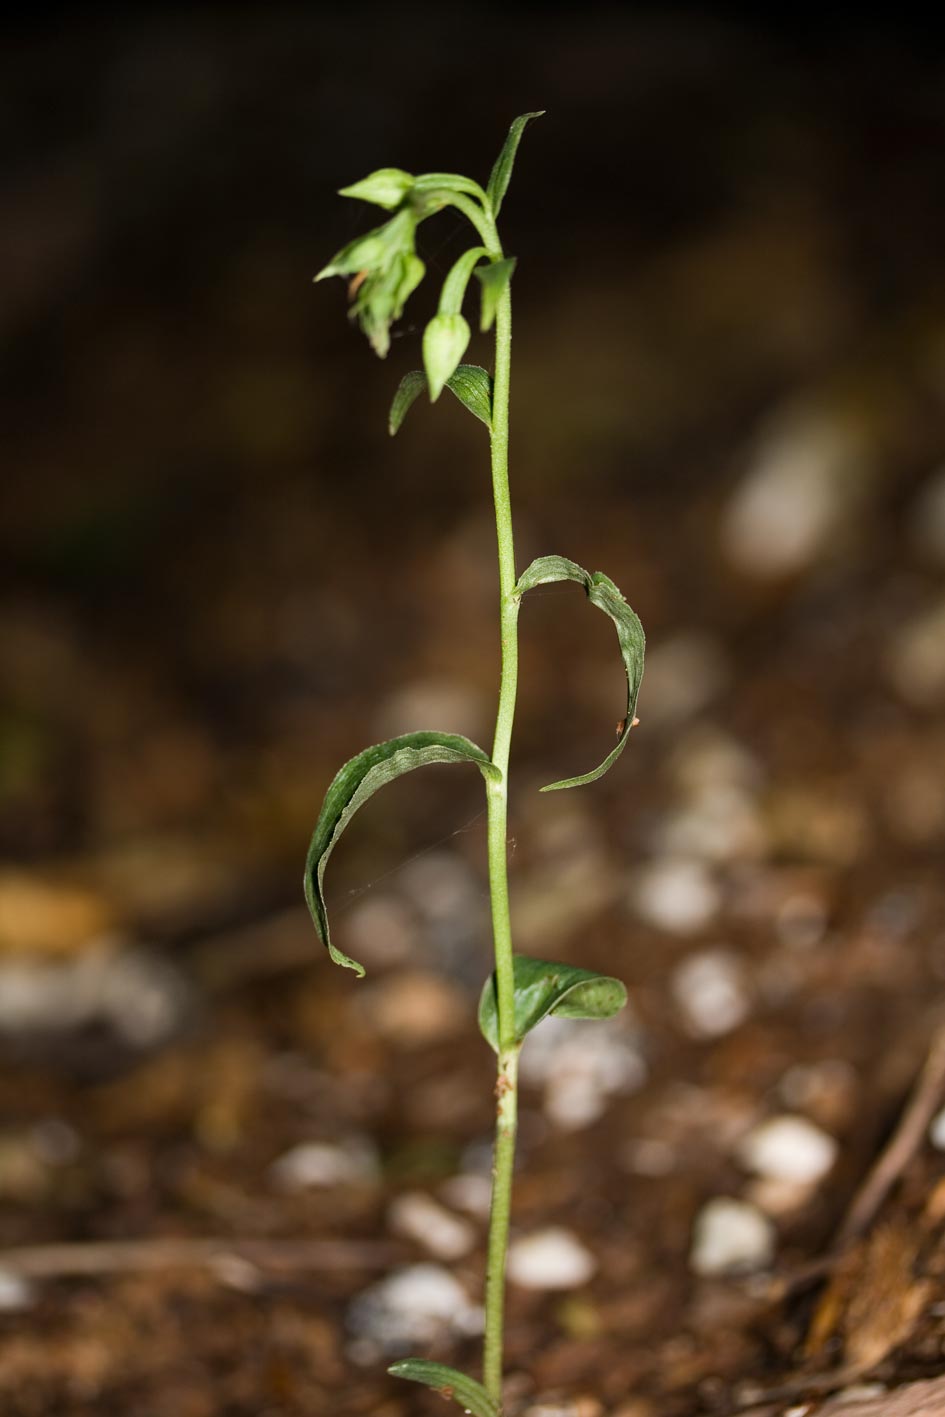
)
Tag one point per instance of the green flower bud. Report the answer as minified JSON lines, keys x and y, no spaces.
{"x":444,"y":344}
{"x":387,"y":187}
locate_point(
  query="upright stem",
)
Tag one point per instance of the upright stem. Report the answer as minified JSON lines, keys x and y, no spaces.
{"x":497,"y":801}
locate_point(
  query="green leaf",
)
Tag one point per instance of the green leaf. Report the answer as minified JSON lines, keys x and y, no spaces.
{"x":358,"y":780}
{"x":449,"y":1383}
{"x":471,"y":385}
{"x":444,"y":344}
{"x":454,"y":287}
{"x":387,"y":187}
{"x":449,"y":182}
{"x":601,"y":592}
{"x":410,"y":388}
{"x":501,"y":173}
{"x":494,"y":278}
{"x":543,"y":988}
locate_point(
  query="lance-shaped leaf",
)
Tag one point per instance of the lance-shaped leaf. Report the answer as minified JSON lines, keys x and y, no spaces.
{"x":471,"y":385}
{"x":454,"y":287}
{"x":449,"y":182}
{"x":543,"y":988}
{"x":449,"y":1383}
{"x":387,"y":187}
{"x":501,"y":173}
{"x":601,"y":592}
{"x":493,"y":278}
{"x":358,"y":780}
{"x":444,"y":344}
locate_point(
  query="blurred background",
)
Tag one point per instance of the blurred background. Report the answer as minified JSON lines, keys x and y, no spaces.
{"x":221,"y":578}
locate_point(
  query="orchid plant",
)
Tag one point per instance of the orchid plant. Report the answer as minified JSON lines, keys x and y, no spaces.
{"x":382,"y":270}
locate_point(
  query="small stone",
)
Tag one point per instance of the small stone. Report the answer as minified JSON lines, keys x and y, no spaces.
{"x":720,"y":824}
{"x":777,"y":1198}
{"x":927,"y":518}
{"x":811,"y":471}
{"x":582,"y":1406}
{"x":550,"y":1259}
{"x":676,"y":894}
{"x":648,"y":1156}
{"x":470,"y":1192}
{"x":826,"y":1091}
{"x":138,"y":995}
{"x":860,"y":1392}
{"x":419,"y":1217}
{"x":55,"y":1142}
{"x":801,"y":921}
{"x":937,"y":1131}
{"x":380,"y":930}
{"x":683,"y":675}
{"x":41,"y":916}
{"x":432,"y":701}
{"x":582,"y":1066}
{"x":915,"y":658}
{"x":788,"y":1148}
{"x":314,"y":1164}
{"x":730,"y":1237}
{"x":709,"y":989}
{"x":420,"y":1305}
{"x":16,"y":1293}
{"x":413,"y":1008}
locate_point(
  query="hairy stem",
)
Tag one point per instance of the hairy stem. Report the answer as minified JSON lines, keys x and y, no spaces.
{"x":497,"y":798}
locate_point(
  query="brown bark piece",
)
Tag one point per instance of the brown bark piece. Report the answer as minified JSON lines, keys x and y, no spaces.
{"x":924,"y":1399}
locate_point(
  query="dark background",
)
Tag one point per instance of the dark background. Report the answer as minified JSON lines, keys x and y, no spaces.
{"x":221,"y":578}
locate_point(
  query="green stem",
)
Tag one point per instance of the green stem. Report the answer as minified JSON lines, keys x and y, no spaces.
{"x":497,"y":800}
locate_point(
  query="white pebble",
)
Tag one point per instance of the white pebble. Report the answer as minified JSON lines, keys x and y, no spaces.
{"x":916,"y":658}
{"x":683,"y":674}
{"x":316,"y":1163}
{"x":648,"y":1156}
{"x":420,"y":1305}
{"x":582,"y":1066}
{"x":937,"y":1131}
{"x":927,"y":518}
{"x":469,"y":1191}
{"x":718,"y":823}
{"x":15,"y":1292}
{"x":775,"y":1197}
{"x":810,"y":473}
{"x":676,"y":894}
{"x":419,"y":1217}
{"x":788,"y":1148}
{"x":730,"y":1237}
{"x":550,"y":1259}
{"x":709,"y":989}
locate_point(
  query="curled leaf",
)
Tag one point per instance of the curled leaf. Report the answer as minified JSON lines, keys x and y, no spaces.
{"x":444,"y":344}
{"x":543,"y":988}
{"x":449,"y":1383}
{"x":358,"y":780}
{"x":449,"y":182}
{"x":471,"y":385}
{"x":501,"y":173}
{"x":493,"y":278}
{"x":601,"y":592}
{"x":387,"y":187}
